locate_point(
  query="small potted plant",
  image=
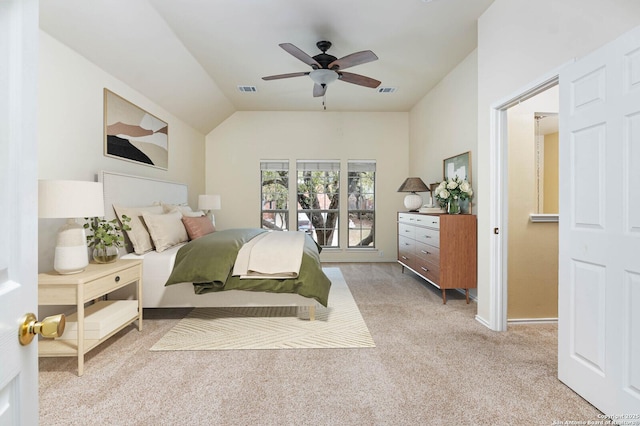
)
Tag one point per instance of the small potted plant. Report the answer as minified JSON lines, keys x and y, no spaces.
{"x":107,"y":237}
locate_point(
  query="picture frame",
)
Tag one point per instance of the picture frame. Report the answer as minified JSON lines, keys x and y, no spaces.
{"x":458,"y":165}
{"x":133,"y":134}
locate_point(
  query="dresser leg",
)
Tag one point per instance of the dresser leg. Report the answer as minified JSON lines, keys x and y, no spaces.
{"x":444,"y":297}
{"x":466,"y":290}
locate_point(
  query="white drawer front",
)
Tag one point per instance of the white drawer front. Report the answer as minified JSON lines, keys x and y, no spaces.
{"x":405,"y":230}
{"x":428,"y":236}
{"x":407,"y":218}
{"x":430,"y":221}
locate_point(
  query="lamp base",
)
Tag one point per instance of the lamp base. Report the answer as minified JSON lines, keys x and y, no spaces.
{"x":413,"y":202}
{"x":71,"y":254}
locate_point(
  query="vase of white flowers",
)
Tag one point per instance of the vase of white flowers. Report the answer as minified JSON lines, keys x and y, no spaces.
{"x":450,"y":192}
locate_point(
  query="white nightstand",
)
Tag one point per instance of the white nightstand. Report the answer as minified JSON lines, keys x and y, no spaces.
{"x":95,"y":281}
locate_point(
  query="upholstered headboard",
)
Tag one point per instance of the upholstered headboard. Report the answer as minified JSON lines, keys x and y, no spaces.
{"x":135,"y":191}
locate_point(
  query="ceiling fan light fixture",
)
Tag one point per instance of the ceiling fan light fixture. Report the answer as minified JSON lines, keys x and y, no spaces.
{"x":323,"y":76}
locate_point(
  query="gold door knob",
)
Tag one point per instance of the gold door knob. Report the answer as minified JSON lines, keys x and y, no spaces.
{"x":51,"y":327}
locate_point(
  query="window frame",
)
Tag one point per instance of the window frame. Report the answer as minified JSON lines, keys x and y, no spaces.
{"x":362,"y":166}
{"x":275,"y":166}
{"x":327,"y":166}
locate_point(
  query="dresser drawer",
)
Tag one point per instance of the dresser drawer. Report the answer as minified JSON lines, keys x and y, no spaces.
{"x":406,"y":250}
{"x":407,"y":218}
{"x":428,"y":236}
{"x":405,"y":230}
{"x":427,"y":220}
{"x":428,"y":253}
{"x":428,"y":270}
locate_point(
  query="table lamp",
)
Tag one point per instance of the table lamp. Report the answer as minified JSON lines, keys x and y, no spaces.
{"x":70,"y":199}
{"x":207,"y":203}
{"x":413,"y":201}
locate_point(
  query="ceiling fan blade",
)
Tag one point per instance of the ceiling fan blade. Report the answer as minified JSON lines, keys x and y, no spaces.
{"x":294,"y":51}
{"x":358,"y":79}
{"x":279,"y":76}
{"x":319,"y":90}
{"x":353,"y":60}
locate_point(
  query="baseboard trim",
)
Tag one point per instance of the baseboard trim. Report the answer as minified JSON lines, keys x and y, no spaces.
{"x":483,"y":322}
{"x":532,"y":321}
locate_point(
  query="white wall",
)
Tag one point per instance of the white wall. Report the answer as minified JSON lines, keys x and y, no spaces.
{"x":70,"y":132}
{"x":520,"y":41}
{"x":235,"y":148}
{"x":444,"y":123}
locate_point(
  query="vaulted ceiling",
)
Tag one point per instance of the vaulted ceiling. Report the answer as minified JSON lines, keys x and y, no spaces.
{"x":190,"y":56}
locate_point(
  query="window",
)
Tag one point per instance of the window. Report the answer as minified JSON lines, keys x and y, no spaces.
{"x":361,"y":209}
{"x":318,"y":195}
{"x":274,"y":189}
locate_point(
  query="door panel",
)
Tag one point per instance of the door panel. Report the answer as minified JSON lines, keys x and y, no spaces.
{"x":599,"y":229}
{"x":18,"y":198}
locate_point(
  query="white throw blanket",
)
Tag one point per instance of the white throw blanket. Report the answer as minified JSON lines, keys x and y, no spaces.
{"x":272,"y":255}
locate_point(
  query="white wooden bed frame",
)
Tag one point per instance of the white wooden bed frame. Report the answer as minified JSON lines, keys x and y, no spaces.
{"x":134,"y":191}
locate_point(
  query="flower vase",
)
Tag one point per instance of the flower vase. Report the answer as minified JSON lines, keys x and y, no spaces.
{"x":108,"y":254}
{"x":453,"y":206}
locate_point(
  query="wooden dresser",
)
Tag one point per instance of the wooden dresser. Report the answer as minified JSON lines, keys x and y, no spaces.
{"x":440,"y":248}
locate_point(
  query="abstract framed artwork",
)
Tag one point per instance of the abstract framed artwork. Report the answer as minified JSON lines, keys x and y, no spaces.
{"x":132,"y":134}
{"x":458,"y":165}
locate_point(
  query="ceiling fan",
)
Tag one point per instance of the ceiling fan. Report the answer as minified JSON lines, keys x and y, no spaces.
{"x":327,"y":68}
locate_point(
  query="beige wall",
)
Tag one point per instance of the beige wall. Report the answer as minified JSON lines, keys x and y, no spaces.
{"x":235,"y":148}
{"x":444,"y":123}
{"x":520,"y":41}
{"x":70,"y":134}
{"x":532,"y":281}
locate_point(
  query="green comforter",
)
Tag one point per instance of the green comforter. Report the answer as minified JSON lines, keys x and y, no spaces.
{"x":208,"y":261}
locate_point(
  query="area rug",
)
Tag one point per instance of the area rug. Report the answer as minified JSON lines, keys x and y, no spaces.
{"x":340,"y":325}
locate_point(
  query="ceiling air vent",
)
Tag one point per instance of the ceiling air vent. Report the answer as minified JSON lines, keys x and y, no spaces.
{"x":247,"y":89}
{"x":387,"y":89}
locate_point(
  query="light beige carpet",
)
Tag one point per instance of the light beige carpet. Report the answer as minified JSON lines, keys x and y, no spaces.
{"x":338,"y":326}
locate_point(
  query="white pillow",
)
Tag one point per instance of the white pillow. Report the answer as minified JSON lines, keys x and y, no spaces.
{"x":184,"y":209}
{"x":138,"y":235}
{"x":168,"y":208}
{"x":166,"y":230}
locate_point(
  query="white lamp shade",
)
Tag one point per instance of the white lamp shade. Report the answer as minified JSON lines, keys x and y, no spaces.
{"x":209,"y":202}
{"x":70,"y":199}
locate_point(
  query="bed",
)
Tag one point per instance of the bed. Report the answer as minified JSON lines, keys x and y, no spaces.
{"x":130,"y":191}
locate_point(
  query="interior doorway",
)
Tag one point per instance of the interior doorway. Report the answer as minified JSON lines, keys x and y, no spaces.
{"x":500,"y":196}
{"x":532,"y":245}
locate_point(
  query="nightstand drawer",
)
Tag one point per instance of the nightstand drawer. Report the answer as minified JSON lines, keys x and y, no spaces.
{"x":111,"y":282}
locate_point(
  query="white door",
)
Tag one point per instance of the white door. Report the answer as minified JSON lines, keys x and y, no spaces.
{"x":599,"y":230}
{"x":18,"y":207}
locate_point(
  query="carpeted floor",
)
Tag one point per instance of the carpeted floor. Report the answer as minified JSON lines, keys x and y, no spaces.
{"x":433,"y":364}
{"x":339,"y":325}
